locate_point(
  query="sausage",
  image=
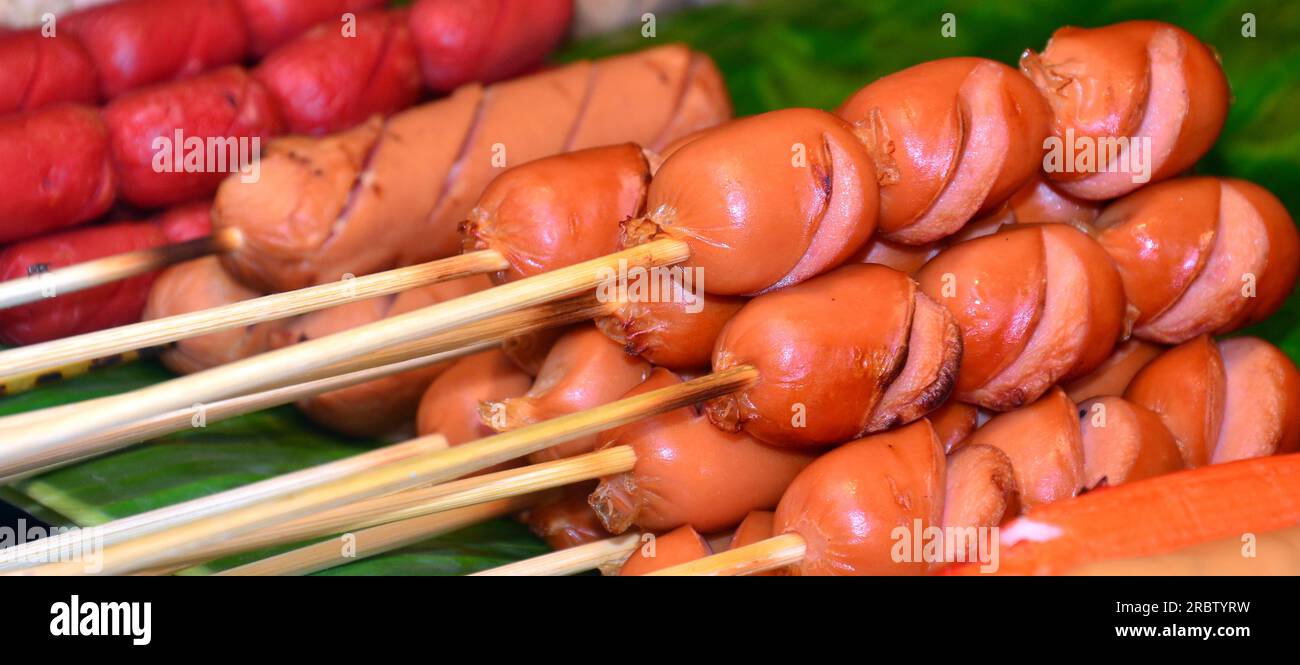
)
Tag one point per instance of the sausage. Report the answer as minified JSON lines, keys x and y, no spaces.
{"x":689,"y":472}
{"x":1153,"y":516}
{"x":582,"y":370}
{"x":848,"y":503}
{"x":567,"y":520}
{"x":756,"y":526}
{"x":138,"y":42}
{"x":384,"y":407}
{"x":559,"y":210}
{"x":114,"y":304}
{"x":953,"y":422}
{"x":793,"y":186}
{"x":1045,"y":446}
{"x":950,"y":139}
{"x":826,"y":374}
{"x":226,"y":105}
{"x":678,"y":546}
{"x":1187,"y":387}
{"x":485,"y":41}
{"x":393,"y":192}
{"x":196,"y":285}
{"x":979,"y":492}
{"x":1137,"y":79}
{"x":1201,"y":255}
{"x":450,"y":405}
{"x":1040,"y":200}
{"x":271,"y":23}
{"x":328,"y":79}
{"x":58,"y":170}
{"x":677,"y":332}
{"x":1113,"y":375}
{"x":529,"y":350}
{"x":37,"y":71}
{"x":1036,"y":303}
{"x":1123,"y":442}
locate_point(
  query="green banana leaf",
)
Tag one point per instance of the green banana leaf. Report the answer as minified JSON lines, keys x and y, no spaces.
{"x":774,"y":53}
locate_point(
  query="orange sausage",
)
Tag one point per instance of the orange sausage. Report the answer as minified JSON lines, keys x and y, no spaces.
{"x":676,"y":332}
{"x":953,"y":423}
{"x":583,"y":370}
{"x":567,"y":520}
{"x":678,"y":546}
{"x":1113,"y":375}
{"x":197,"y":285}
{"x":847,"y":504}
{"x":1153,"y":516}
{"x":560,"y":210}
{"x":950,"y":139}
{"x":1037,"y":304}
{"x":528,"y":351}
{"x":980,"y":488}
{"x":1123,"y":442}
{"x":394,"y":192}
{"x":689,"y":472}
{"x":857,"y":350}
{"x":794,"y":187}
{"x":1133,"y":79}
{"x":450,"y":405}
{"x":758,"y":525}
{"x":1201,"y":255}
{"x":1186,"y":387}
{"x":1045,"y":447}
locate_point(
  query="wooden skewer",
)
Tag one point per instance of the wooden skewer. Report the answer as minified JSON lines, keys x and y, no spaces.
{"x":103,"y":343}
{"x":20,"y":461}
{"x":770,"y":554}
{"x":260,"y":372}
{"x":376,"y":540}
{"x":42,"y":550}
{"x":88,"y":274}
{"x":571,"y":560}
{"x":175,"y":544}
{"x":20,"y":383}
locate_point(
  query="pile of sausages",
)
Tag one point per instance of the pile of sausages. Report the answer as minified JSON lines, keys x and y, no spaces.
{"x":169,"y":69}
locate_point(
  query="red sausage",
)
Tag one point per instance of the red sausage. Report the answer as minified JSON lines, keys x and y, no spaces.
{"x":327,"y":80}
{"x":225,"y":105}
{"x":37,"y":71}
{"x":57,"y":170}
{"x":486,"y":41}
{"x":273,"y":22}
{"x":137,"y":42}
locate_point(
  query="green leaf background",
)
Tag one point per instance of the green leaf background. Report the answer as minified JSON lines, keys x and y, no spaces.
{"x":774,"y":53}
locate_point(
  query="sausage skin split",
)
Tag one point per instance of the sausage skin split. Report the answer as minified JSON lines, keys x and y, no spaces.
{"x":583,"y":370}
{"x":980,"y":491}
{"x":1113,"y":375}
{"x":794,"y":187}
{"x":1037,"y":304}
{"x":689,"y":472}
{"x":1201,"y":255}
{"x":394,"y":192}
{"x":1045,"y":447}
{"x":950,"y":139}
{"x":1123,"y":441}
{"x":830,"y":372}
{"x":1132,"y":80}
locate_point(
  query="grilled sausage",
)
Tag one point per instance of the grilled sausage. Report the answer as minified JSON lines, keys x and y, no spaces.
{"x":953,"y":422}
{"x":1045,"y":447}
{"x":1123,"y":442}
{"x":827,"y":375}
{"x":1113,"y":375}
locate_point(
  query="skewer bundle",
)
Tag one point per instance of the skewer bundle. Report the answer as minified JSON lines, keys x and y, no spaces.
{"x":852,"y":399}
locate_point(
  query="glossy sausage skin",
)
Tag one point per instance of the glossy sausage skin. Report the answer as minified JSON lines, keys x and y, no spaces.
{"x":794,"y":187}
{"x":678,"y":546}
{"x":689,"y":472}
{"x":450,"y":405}
{"x":677,"y":332}
{"x":1201,"y":255}
{"x":567,"y":520}
{"x":828,"y":371}
{"x":384,"y":407}
{"x":1231,"y":400}
{"x":847,"y":504}
{"x":980,"y":490}
{"x":1045,"y":447}
{"x":226,"y":104}
{"x":37,"y":71}
{"x":1142,"y":79}
{"x":273,"y":22}
{"x":1037,"y":304}
{"x":950,"y":139}
{"x":1113,"y":375}
{"x":57,"y":171}
{"x":953,"y":422}
{"x":326,"y":80}
{"x":485,"y":41}
{"x":582,"y":370}
{"x":560,"y":210}
{"x":114,"y":304}
{"x":394,"y":192}
{"x":1123,"y":441}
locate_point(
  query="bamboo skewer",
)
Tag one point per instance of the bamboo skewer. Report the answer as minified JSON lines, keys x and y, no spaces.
{"x":260,"y":372}
{"x":571,"y":560}
{"x":18,"y":461}
{"x":164,"y":547}
{"x":770,"y":554}
{"x":96,"y":272}
{"x":376,"y":540}
{"x":103,"y":343}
